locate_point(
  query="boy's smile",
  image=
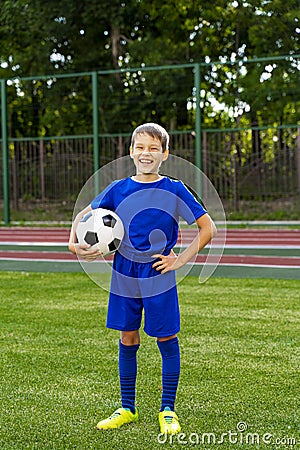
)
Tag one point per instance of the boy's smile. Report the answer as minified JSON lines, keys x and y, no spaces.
{"x":147,"y":155}
{"x":146,"y":164}
{"x":145,"y":161}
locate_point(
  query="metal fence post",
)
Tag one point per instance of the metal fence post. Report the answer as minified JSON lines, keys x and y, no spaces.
{"x":96,"y":128}
{"x":5,"y":155}
{"x":198,"y":131}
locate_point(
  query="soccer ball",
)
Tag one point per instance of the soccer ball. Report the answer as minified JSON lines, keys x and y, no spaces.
{"x":102,"y":229}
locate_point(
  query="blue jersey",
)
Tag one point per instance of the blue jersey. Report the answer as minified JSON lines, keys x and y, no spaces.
{"x":150,"y":212}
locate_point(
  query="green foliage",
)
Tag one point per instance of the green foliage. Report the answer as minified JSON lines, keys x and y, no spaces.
{"x":59,"y":373}
{"x":39,"y":38}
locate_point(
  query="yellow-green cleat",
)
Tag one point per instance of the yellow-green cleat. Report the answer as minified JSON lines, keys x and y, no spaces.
{"x":120,"y":417}
{"x":168,"y":422}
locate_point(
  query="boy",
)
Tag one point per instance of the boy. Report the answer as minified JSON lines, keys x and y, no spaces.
{"x":143,"y":275}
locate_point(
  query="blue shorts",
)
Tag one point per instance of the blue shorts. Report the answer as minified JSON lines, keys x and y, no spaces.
{"x":136,"y":286}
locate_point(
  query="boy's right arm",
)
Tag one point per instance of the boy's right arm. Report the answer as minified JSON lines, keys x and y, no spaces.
{"x":81,"y":250}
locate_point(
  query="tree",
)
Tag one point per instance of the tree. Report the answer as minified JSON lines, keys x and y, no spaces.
{"x":54,"y":38}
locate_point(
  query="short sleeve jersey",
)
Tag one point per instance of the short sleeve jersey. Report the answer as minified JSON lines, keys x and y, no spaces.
{"x":150,"y":212}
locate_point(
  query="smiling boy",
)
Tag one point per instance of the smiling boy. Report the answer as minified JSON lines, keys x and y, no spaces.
{"x":143,"y":275}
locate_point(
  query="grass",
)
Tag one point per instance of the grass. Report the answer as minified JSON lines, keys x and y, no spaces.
{"x":59,"y":375}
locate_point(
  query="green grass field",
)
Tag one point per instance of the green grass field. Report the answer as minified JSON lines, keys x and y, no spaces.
{"x":59,"y":376}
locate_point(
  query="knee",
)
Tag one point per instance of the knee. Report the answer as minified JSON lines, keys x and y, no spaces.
{"x":167,"y":338}
{"x":130,"y":337}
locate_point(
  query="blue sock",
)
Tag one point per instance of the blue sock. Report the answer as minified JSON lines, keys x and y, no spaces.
{"x":128,"y":372}
{"x":170,"y":371}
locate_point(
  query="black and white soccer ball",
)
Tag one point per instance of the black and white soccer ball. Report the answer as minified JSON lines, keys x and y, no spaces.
{"x":102,"y":229}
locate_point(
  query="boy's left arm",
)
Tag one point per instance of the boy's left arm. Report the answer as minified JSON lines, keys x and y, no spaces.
{"x":207,"y":230}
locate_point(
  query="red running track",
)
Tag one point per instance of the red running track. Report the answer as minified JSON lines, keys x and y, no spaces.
{"x":239,"y":237}
{"x":235,"y":238}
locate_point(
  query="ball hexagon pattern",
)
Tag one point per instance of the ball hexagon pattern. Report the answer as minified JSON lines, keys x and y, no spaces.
{"x":101,"y":228}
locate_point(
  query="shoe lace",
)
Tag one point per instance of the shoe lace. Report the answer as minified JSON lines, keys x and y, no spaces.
{"x":169,"y":419}
{"x":115,"y":414}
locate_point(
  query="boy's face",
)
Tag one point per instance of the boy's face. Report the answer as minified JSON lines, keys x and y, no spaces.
{"x":147,"y":154}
